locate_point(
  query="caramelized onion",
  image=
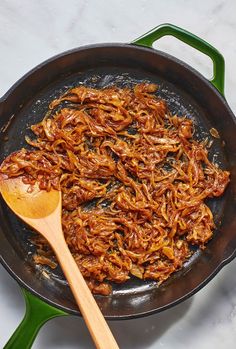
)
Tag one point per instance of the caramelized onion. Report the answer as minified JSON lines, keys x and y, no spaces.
{"x":133,"y":182}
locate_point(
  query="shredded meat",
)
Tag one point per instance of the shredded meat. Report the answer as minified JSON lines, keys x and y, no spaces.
{"x":133,"y":182}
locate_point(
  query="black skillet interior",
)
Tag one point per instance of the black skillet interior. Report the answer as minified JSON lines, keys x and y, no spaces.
{"x":187,"y":93}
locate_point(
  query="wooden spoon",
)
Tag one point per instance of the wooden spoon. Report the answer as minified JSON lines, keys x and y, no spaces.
{"x":42,"y":211}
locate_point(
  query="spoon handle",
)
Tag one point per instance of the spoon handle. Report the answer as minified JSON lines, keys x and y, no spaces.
{"x":98,"y":328}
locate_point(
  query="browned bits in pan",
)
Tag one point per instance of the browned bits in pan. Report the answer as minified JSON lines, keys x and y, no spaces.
{"x":214,"y":132}
{"x":133,"y":182}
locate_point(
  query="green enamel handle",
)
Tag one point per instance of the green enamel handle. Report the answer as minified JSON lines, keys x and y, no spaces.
{"x":149,"y":38}
{"x":37,"y":313}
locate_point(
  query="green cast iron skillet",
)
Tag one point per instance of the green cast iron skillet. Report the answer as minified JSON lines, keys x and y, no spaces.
{"x":187,"y":93}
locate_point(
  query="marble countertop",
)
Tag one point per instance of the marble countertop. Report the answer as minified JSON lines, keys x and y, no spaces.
{"x":32,"y":31}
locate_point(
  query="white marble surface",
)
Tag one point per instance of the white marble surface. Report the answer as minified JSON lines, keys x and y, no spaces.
{"x":30,"y":32}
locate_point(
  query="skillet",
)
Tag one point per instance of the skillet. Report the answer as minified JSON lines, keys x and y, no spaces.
{"x":187,"y":93}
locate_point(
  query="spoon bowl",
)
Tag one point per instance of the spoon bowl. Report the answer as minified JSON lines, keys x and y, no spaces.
{"x":28,"y":200}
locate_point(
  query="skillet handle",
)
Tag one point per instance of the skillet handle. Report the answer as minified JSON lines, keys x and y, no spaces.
{"x":150,"y":37}
{"x":37,"y":313}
